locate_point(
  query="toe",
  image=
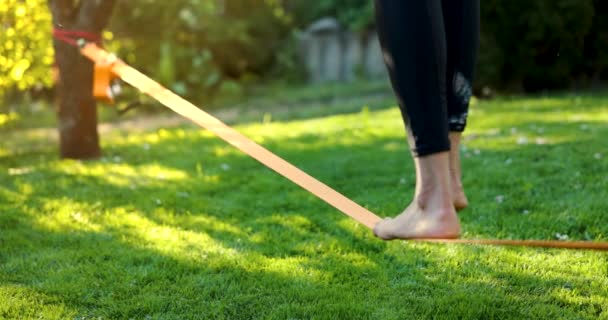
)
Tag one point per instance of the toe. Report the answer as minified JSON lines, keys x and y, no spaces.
{"x":380,"y":229}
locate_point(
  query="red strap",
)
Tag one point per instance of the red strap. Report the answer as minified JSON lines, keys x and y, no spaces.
{"x":71,"y":37}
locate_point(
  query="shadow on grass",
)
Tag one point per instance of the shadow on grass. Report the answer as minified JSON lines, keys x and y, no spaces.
{"x":230,"y":186}
{"x":100,"y":274}
{"x":250,"y":244}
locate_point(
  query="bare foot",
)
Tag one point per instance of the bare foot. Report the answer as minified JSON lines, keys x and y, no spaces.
{"x":418,"y":223}
{"x":432,"y":213}
{"x":458,"y":196}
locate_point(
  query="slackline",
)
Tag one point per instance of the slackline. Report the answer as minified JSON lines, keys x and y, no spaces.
{"x":188,"y":110}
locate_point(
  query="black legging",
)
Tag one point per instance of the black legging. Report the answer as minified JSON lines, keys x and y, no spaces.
{"x":430,"y":48}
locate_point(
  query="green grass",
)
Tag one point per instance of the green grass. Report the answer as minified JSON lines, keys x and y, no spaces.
{"x":176,"y":224}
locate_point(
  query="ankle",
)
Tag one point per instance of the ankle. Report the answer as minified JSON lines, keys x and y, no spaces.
{"x":434,"y":199}
{"x":456,"y":182}
{"x":433,"y":185}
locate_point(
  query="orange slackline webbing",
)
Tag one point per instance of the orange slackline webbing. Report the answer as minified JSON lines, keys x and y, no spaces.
{"x":269,"y":159}
{"x":586,"y":245}
{"x":205,"y":120}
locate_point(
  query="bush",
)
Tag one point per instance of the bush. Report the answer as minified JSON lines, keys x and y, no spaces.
{"x":193,"y":45}
{"x":25,"y":47}
{"x":355,"y":14}
{"x":533,"y":45}
{"x":524,"y":45}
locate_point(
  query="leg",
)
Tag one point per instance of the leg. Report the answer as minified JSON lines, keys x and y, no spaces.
{"x":412,"y":37}
{"x":413,"y":40}
{"x":461,"y":19}
{"x":459,"y":198}
{"x":432,"y":213}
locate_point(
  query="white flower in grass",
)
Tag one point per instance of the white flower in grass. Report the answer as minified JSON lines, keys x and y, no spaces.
{"x":508,"y":161}
{"x":541,"y":141}
{"x":525,"y":212}
{"x":402,"y":181}
{"x":158,"y":202}
{"x":477,"y":152}
{"x":225,"y":166}
{"x":598,"y":156}
{"x":500,"y":199}
{"x":561,"y":237}
{"x":522,"y":140}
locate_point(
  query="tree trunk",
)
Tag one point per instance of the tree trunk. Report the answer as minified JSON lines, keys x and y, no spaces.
{"x":77,"y":112}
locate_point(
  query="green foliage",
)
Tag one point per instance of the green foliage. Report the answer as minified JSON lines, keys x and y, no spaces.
{"x":534,"y":44}
{"x":354,"y":14}
{"x":529,"y":45}
{"x":25,"y":46}
{"x":203,"y":48}
{"x":193,"y":46}
{"x":157,"y":231}
{"x":596,"y":42}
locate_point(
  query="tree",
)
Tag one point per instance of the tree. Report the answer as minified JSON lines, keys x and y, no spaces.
{"x":77,"y":112}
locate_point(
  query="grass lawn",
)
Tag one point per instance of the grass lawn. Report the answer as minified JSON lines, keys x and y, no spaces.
{"x":176,"y":224}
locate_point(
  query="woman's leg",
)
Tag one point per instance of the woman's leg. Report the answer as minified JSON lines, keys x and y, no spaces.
{"x":413,"y":39}
{"x":461,"y":20}
{"x":459,"y":198}
{"x":432,"y":213}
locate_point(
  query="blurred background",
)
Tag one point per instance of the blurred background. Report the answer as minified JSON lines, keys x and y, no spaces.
{"x":221,"y":51}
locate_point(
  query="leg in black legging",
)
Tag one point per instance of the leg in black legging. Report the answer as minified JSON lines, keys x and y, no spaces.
{"x":461,"y":20}
{"x":433,"y":89}
{"x":430,"y":48}
{"x":412,"y":36}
